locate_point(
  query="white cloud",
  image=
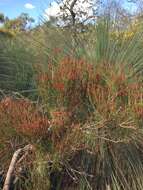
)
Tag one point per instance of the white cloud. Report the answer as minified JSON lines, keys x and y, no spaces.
{"x":53,"y":10}
{"x":29,"y":6}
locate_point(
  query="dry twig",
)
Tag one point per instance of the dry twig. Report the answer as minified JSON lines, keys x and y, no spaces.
{"x":12,"y":165}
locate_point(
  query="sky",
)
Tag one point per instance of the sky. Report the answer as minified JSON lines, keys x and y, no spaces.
{"x":13,"y":8}
{"x":35,"y":8}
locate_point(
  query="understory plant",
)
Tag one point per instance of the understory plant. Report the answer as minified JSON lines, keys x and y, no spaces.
{"x":94,"y":100}
{"x":86,"y":124}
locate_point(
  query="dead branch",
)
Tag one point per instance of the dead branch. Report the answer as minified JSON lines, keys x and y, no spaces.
{"x":18,"y":153}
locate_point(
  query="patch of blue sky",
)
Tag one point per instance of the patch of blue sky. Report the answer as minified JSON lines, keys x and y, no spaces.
{"x":13,"y":8}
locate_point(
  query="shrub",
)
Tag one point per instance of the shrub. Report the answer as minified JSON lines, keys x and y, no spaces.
{"x":87,"y":124}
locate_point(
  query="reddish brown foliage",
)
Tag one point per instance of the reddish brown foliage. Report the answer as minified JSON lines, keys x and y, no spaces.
{"x":24,"y":116}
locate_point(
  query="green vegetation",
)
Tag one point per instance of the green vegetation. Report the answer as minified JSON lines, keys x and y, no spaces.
{"x":77,"y":98}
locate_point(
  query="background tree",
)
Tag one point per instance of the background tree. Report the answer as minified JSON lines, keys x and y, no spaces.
{"x":2,"y":18}
{"x":72,"y":13}
{"x":120,"y":16}
{"x":19,"y":24}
